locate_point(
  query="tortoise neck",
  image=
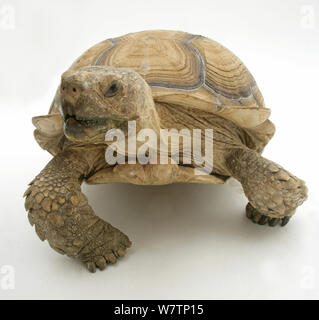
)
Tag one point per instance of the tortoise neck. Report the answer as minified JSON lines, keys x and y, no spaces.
{"x":148,"y":116}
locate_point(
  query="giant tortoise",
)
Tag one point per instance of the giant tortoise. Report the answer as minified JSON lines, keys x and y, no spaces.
{"x":160,"y":80}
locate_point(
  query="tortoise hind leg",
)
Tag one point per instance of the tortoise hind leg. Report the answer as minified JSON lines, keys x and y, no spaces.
{"x":273,"y":193}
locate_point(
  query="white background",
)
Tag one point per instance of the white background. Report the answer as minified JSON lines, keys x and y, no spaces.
{"x":190,"y":241}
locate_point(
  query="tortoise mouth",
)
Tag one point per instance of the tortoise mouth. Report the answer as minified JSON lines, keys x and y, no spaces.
{"x":87,"y":123}
{"x":72,"y":118}
{"x":80,"y":129}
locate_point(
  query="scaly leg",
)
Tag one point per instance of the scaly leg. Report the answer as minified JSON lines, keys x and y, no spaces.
{"x":61,"y":214}
{"x":273,"y":192}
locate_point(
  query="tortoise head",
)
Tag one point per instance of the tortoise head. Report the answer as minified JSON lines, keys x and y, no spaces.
{"x":97,"y":99}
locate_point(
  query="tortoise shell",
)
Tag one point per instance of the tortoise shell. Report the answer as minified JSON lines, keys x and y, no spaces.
{"x":176,"y":64}
{"x":187,"y":70}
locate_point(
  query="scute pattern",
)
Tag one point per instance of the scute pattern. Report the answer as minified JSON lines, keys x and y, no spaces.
{"x":226,"y":75}
{"x":165,"y":63}
{"x":182,"y":61}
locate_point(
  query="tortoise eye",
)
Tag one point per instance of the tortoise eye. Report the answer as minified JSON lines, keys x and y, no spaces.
{"x":112,"y":90}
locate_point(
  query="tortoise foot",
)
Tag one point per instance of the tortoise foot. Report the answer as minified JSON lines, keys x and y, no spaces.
{"x":270,"y":189}
{"x":109,"y":245}
{"x":257,"y":217}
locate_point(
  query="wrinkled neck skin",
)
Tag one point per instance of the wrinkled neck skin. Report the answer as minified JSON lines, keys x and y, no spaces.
{"x":148,"y":116}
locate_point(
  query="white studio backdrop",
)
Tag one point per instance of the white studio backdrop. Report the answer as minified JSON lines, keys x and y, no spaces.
{"x":190,"y":241}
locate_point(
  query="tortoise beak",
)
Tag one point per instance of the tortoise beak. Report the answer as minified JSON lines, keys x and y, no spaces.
{"x":84,"y":131}
{"x":90,"y":130}
{"x":83,"y":126}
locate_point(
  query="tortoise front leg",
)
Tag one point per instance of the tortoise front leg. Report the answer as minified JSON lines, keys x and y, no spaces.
{"x":61,"y":214}
{"x":273,"y":193}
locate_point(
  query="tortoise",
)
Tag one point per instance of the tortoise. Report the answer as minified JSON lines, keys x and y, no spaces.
{"x":161,"y":80}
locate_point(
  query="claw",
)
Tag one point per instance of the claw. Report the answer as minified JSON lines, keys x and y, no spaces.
{"x":121,"y":252}
{"x":110,"y":258}
{"x":101,"y":263}
{"x":263,"y":220}
{"x":273,"y":222}
{"x":91,"y":266}
{"x":284,"y":221}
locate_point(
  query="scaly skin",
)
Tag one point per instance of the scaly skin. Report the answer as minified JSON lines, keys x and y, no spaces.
{"x":60,"y":211}
{"x":273,"y":193}
{"x":61,"y":214}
